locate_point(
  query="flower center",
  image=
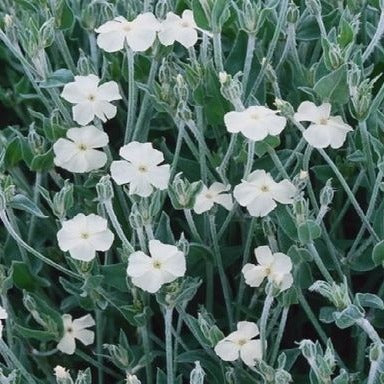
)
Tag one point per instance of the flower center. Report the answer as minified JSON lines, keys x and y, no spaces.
{"x":156,"y":264}
{"x":69,"y":330}
{"x":127,"y":27}
{"x":82,"y":147}
{"x":209,"y":195}
{"x":91,"y":97}
{"x":142,"y":168}
{"x":84,"y":235}
{"x":185,"y":24}
{"x":264,"y":188}
{"x":323,"y":121}
{"x":254,"y":116}
{"x":268,"y":271}
{"x":241,"y":342}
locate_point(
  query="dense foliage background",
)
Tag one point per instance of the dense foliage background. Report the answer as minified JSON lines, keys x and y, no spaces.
{"x":277,"y":53}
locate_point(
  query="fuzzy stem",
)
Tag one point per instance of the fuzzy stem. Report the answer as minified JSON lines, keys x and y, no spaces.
{"x":248,"y":60}
{"x":168,"y":344}
{"x":131,"y":95}
{"x":192,"y":226}
{"x":316,"y":257}
{"x":218,"y":52}
{"x":376,"y":37}
{"x":263,"y":323}
{"x":279,"y":336}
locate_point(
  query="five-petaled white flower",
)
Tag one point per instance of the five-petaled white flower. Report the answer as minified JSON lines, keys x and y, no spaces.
{"x":3,"y":316}
{"x":259,"y":193}
{"x":206,"y":199}
{"x":76,"y":329}
{"x":241,"y":344}
{"x":141,"y":169}
{"x":325,"y":130}
{"x":83,"y":235}
{"x":91,"y":99}
{"x":255,"y":123}
{"x":275,"y":267}
{"x":165,"y":265}
{"x":139,"y":34}
{"x":181,"y":29}
{"x":79,"y":154}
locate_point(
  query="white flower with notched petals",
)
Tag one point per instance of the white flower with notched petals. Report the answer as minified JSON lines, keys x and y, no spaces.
{"x":78,"y":153}
{"x":259,"y":193}
{"x":83,"y":235}
{"x":255,"y":123}
{"x":140,"y":169}
{"x":181,"y":29}
{"x":91,"y":99}
{"x":139,"y":34}
{"x":206,"y":199}
{"x":276,"y":267}
{"x":241,"y":344}
{"x":165,"y":264}
{"x":325,"y":130}
{"x":76,"y":329}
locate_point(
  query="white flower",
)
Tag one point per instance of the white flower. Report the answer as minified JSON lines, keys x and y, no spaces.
{"x":255,"y":123}
{"x":62,"y":374}
{"x":325,"y":130}
{"x":214,"y":194}
{"x":78,"y":154}
{"x":240,"y":344}
{"x":181,"y":29}
{"x":83,"y":235}
{"x":259,"y":193}
{"x":140,"y":169}
{"x":76,"y":329}
{"x":139,"y":33}
{"x":91,"y":99}
{"x":165,"y":265}
{"x":275,"y":267}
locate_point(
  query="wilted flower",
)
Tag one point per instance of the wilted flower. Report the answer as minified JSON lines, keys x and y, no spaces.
{"x":141,"y":169}
{"x":132,"y":379}
{"x":91,"y":99}
{"x":275,"y":267}
{"x":79,"y":154}
{"x":165,"y":265}
{"x":240,"y":344}
{"x":255,"y":123}
{"x":76,"y":329}
{"x":62,"y":375}
{"x":259,"y":193}
{"x":83,"y":235}
{"x":206,"y":199}
{"x":181,"y":29}
{"x":325,"y":130}
{"x":139,"y":34}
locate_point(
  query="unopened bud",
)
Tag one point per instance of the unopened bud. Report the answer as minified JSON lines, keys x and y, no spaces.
{"x":284,"y":107}
{"x":197,"y":374}
{"x":327,"y":194}
{"x":63,"y":200}
{"x":104,"y":189}
{"x":47,"y":33}
{"x":293,"y":13}
{"x":132,"y":379}
{"x":36,"y":141}
{"x":62,"y":375}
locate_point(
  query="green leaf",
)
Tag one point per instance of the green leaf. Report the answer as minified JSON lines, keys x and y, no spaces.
{"x":309,"y":231}
{"x":115,"y":276}
{"x":29,"y":333}
{"x":348,"y":316}
{"x":369,"y":300}
{"x":58,"y":78}
{"x":378,"y":253}
{"x":262,"y":147}
{"x":23,"y":203}
{"x":23,"y":278}
{"x":333,"y":87}
{"x":42,"y":162}
{"x":13,"y":153}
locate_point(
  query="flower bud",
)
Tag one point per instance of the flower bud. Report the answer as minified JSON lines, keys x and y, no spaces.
{"x":119,"y":355}
{"x":249,"y":17}
{"x":314,"y":7}
{"x":62,"y":375}
{"x":300,"y":209}
{"x":35,"y":141}
{"x":47,"y":33}
{"x":104,"y":189}
{"x":285,"y":108}
{"x":161,"y":9}
{"x":63,"y":200}
{"x":12,"y":378}
{"x":183,"y":244}
{"x":183,"y":112}
{"x":268,"y":226}
{"x":337,"y":294}
{"x":333,"y":56}
{"x":327,"y":194}
{"x":181,"y":89}
{"x":135,"y":219}
{"x":197,"y":374}
{"x":230,"y":376}
{"x":84,"y":64}
{"x":300,"y":180}
{"x":84,"y":377}
{"x":31,"y":305}
{"x":375,"y":352}
{"x":231,"y":89}
{"x":182,"y":193}
{"x":293,"y":13}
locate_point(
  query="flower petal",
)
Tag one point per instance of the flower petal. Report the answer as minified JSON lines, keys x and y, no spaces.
{"x":86,"y":336}
{"x":83,"y":322}
{"x":112,"y":41}
{"x":150,"y":282}
{"x":175,"y":264}
{"x":227,"y":350}
{"x":308,"y":111}
{"x":159,"y":176}
{"x":83,"y":113}
{"x":250,"y":352}
{"x":264,"y":255}
{"x":248,"y":329}
{"x":138,"y":264}
{"x":282,"y":263}
{"x":319,"y":136}
{"x":109,"y":91}
{"x":262,"y":205}
{"x":283,"y":192}
{"x":254,"y":275}
{"x":102,"y":241}
{"x":67,"y":344}
{"x":122,"y":172}
{"x":83,"y":251}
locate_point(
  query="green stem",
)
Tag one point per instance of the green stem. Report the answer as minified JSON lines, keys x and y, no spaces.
{"x":279,"y":336}
{"x":168,"y":343}
{"x":316,"y":257}
{"x":248,"y":60}
{"x":8,"y":325}
{"x":218,"y":52}
{"x":17,"y":238}
{"x":192,"y":226}
{"x":64,"y":50}
{"x":8,"y":354}
{"x":376,"y":37}
{"x":147,"y":352}
{"x":222,"y":169}
{"x":36,"y":196}
{"x":263,"y":323}
{"x":220,"y":267}
{"x":367,"y":150}
{"x":129,"y":127}
{"x":99,"y":345}
{"x":250,"y":156}
{"x":278,"y":163}
{"x":176,"y":156}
